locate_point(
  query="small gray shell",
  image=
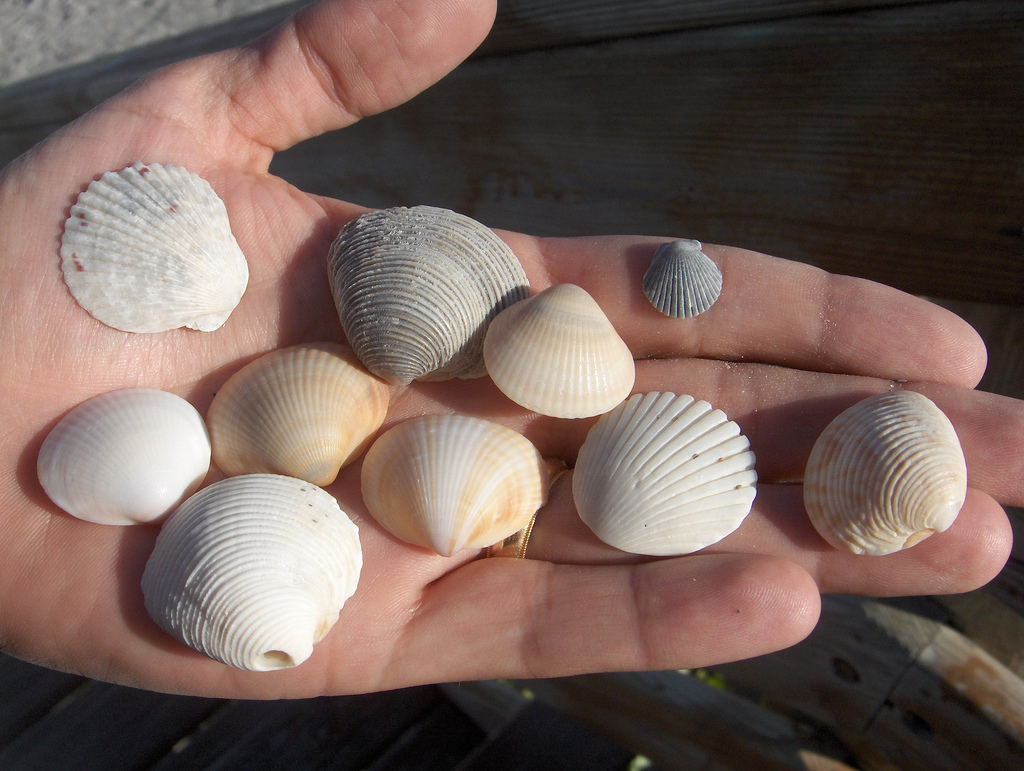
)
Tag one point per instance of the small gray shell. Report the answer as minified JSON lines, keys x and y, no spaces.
{"x":682,"y":281}
{"x":416,"y":288}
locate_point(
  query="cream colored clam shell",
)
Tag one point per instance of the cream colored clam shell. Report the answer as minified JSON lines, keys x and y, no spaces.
{"x":303,"y":411}
{"x":885,"y":474}
{"x":682,"y":281}
{"x":125,"y":457}
{"x":253,"y":570}
{"x":663,"y":474}
{"x":453,"y":482}
{"x":558,"y":354}
{"x":149,"y":248}
{"x":415,"y":289}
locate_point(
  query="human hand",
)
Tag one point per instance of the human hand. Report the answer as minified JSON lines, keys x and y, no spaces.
{"x":786,"y":347}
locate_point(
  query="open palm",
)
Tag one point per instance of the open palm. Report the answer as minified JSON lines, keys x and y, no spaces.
{"x":785,"y":348}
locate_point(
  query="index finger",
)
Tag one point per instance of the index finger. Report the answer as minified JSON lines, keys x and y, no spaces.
{"x":770,"y":311}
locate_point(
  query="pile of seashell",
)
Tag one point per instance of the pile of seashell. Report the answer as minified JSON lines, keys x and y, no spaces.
{"x":254,"y":569}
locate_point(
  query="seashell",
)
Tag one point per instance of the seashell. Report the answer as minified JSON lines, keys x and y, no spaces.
{"x":558,"y":354}
{"x":682,"y":281}
{"x":149,"y":248}
{"x":125,"y":457}
{"x":253,"y":570}
{"x":303,"y":411}
{"x":453,"y":482}
{"x":885,"y":474}
{"x":663,"y":474}
{"x":415,"y":289}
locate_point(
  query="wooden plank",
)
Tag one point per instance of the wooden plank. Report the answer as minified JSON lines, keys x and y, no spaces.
{"x":438,"y":742}
{"x":326,"y":733}
{"x":839,"y":140}
{"x":990,"y":623}
{"x":684,"y":723}
{"x":541,"y":738}
{"x":27,"y":693}
{"x":896,"y":688}
{"x":955,"y":709}
{"x":491,"y":704}
{"x":102,"y":726}
{"x":532,"y":24}
{"x":521,"y":25}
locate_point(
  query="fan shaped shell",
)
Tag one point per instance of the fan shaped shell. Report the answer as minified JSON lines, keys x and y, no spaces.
{"x":149,"y":248}
{"x":885,"y":474}
{"x":663,"y":474}
{"x":253,"y":570}
{"x":558,"y":354}
{"x":125,"y":457}
{"x":453,"y":482}
{"x":415,"y":289}
{"x":303,"y":411}
{"x":682,"y":281}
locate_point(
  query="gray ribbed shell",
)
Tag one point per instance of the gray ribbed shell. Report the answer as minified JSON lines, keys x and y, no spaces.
{"x":416,"y":287}
{"x":682,"y":281}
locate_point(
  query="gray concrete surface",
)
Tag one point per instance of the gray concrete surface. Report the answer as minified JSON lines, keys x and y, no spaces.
{"x":42,"y":36}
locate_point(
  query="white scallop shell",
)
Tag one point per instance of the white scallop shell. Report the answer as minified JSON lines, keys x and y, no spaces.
{"x":452,"y":482}
{"x":125,"y":457}
{"x":149,"y":248}
{"x":885,"y":474}
{"x":557,"y":353}
{"x":253,"y":570}
{"x":415,"y":289}
{"x":682,"y":281}
{"x":663,"y":474}
{"x":303,"y":411}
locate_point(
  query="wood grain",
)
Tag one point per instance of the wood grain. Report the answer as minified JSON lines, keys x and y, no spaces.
{"x":857,"y":142}
{"x":898,"y":688}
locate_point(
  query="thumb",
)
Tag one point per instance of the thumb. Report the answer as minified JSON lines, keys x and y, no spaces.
{"x":325,"y":68}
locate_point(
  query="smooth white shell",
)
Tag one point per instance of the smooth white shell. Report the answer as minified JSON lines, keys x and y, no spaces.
{"x":663,"y":474}
{"x":253,"y":570}
{"x":415,"y":289}
{"x":149,"y":248}
{"x":303,"y":411}
{"x":453,"y":482}
{"x":125,"y":457}
{"x":682,"y":281}
{"x":557,"y":353}
{"x":885,"y":474}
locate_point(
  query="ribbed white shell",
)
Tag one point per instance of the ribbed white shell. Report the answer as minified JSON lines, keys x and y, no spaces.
{"x":663,"y":474}
{"x":125,"y":457}
{"x":885,"y":474}
{"x":303,"y":411}
{"x":415,"y":289}
{"x":558,"y":354}
{"x":682,"y":281}
{"x":453,"y":482}
{"x":149,"y":248}
{"x":253,"y":570}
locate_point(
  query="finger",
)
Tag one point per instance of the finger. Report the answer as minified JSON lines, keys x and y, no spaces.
{"x":781,"y":411}
{"x":966,"y":556}
{"x":331,"y":64}
{"x":770,"y":310}
{"x":522,"y":618}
